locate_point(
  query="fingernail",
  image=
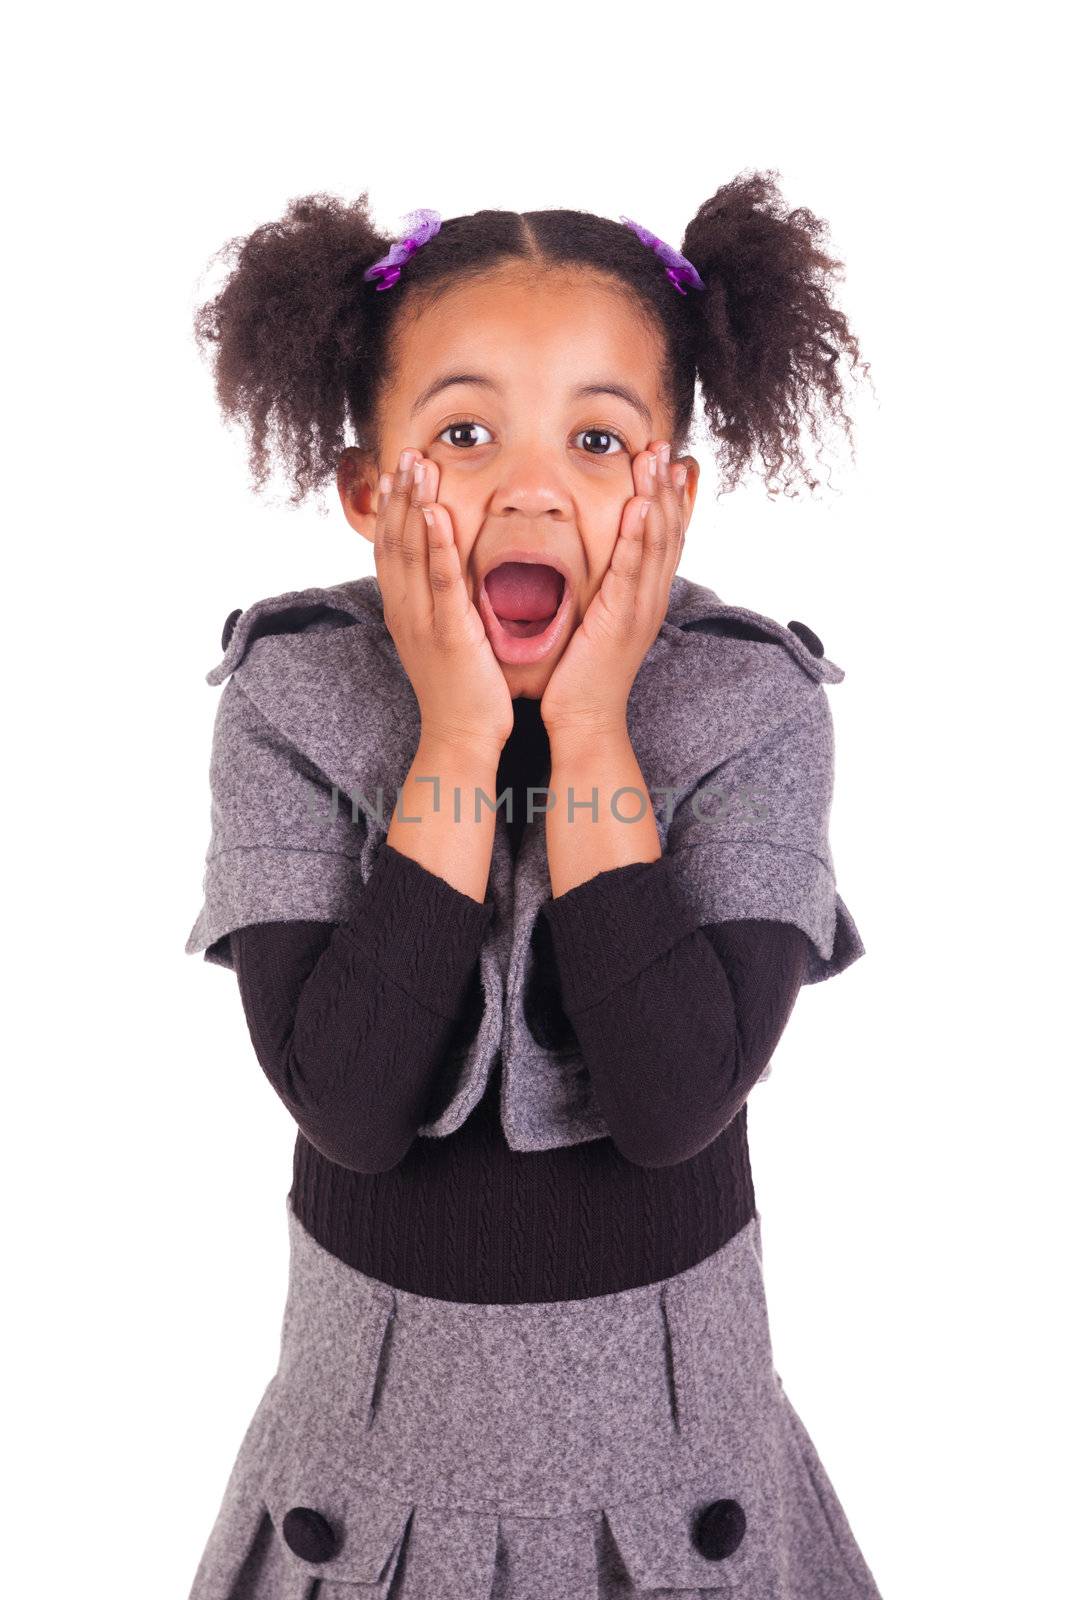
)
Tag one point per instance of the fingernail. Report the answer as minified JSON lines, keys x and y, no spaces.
{"x":385,"y":484}
{"x":406,"y":458}
{"x":420,"y":472}
{"x":652,"y":466}
{"x":664,"y":454}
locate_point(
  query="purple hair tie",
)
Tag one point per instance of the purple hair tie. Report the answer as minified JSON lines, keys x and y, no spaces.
{"x":679,"y":269}
{"x":423,"y":225}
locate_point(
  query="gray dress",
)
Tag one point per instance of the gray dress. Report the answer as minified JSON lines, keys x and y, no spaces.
{"x":631,"y":1443}
{"x":627,"y":1444}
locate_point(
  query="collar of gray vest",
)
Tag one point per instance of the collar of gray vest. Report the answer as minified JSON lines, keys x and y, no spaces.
{"x":314,"y":648}
{"x":319,"y":666}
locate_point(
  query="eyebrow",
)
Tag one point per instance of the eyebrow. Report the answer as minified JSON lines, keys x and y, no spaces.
{"x":479,"y":380}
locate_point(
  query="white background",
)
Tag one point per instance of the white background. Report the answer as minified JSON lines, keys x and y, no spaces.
{"x":905,"y":1145}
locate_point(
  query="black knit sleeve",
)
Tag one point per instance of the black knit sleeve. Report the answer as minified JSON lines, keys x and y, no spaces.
{"x":676,"y":1021}
{"x":351,"y":1021}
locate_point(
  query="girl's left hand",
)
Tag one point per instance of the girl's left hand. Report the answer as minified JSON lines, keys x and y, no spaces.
{"x":590,"y":685}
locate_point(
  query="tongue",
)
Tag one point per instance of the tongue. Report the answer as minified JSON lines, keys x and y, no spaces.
{"x":525,"y":595}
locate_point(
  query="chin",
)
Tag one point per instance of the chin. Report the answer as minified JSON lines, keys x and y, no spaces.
{"x":523,"y":684}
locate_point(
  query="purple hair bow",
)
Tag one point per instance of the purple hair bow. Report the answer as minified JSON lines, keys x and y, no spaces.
{"x":679,"y":268}
{"x":423,"y":225}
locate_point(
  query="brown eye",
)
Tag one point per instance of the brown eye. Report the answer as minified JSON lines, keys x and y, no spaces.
{"x":601,"y":434}
{"x":461,"y":427}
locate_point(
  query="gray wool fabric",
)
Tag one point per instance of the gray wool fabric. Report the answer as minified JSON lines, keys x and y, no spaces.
{"x":566,"y":1450}
{"x":318,"y":724}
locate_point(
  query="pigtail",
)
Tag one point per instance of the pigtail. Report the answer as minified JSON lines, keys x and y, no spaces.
{"x":768,"y":340}
{"x":288,"y":334}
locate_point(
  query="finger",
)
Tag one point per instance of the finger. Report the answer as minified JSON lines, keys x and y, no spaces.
{"x":388,"y":560}
{"x":385,"y":487}
{"x":660,"y":532}
{"x":659,"y":558}
{"x":411,"y":527}
{"x":385,"y":484}
{"x":646,"y":471}
{"x":660,"y":477}
{"x":388,"y":526}
{"x":425,"y":479}
{"x":413,"y":535}
{"x":400,"y":547}
{"x":451,"y":602}
{"x":452,"y":606}
{"x":425,"y":493}
{"x":666,"y":535}
{"x":619,"y":586}
{"x":669,"y":479}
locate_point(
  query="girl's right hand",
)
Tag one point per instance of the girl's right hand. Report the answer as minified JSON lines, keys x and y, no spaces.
{"x":463,"y":695}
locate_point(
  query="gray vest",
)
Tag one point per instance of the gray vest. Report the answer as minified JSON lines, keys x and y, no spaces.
{"x":318,"y":724}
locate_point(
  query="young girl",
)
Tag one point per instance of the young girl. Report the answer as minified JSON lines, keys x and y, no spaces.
{"x":520,"y":855}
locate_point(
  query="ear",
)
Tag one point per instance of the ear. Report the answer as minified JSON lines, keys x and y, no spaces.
{"x":357,"y":486}
{"x":692,"y":477}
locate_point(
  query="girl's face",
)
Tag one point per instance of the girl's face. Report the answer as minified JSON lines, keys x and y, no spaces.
{"x":503,"y":383}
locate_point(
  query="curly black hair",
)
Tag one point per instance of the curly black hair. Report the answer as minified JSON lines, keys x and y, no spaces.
{"x":301,"y":350}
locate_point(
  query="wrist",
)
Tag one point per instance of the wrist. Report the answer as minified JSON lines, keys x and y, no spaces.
{"x":593,"y":742}
{"x":457,"y":760}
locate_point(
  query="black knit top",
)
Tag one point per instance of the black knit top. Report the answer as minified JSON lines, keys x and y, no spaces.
{"x":352,"y":1024}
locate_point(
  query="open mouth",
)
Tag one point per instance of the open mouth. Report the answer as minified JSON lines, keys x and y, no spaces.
{"x":525,"y":596}
{"x":525,"y":606}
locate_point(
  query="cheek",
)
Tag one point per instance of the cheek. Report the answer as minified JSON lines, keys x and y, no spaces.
{"x":465,"y":525}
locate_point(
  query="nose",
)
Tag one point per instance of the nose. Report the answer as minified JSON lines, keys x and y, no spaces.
{"x":528,"y":485}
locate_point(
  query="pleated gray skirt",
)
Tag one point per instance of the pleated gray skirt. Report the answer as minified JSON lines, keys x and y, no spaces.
{"x":423,"y":1449}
